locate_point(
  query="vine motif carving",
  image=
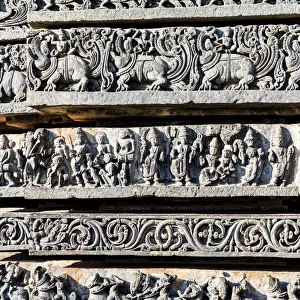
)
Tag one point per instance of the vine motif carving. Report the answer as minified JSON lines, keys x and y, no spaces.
{"x":188,"y":236}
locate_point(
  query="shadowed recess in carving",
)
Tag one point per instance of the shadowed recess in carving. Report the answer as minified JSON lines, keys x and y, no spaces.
{"x":40,"y":283}
{"x":228,"y":154}
{"x":259,"y":57}
{"x":186,"y":235}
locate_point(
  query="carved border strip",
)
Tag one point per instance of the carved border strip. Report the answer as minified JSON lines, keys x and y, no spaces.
{"x":168,"y":235}
{"x":204,"y":13}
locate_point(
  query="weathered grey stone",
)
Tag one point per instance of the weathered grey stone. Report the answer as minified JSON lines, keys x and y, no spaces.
{"x":42,"y":100}
{"x":151,"y":235}
{"x":38,"y":19}
{"x":76,"y":279}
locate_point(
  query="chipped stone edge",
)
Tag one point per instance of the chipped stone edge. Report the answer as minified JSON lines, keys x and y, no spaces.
{"x":205,"y":13}
{"x":13,"y":108}
{"x":13,"y":34}
{"x":38,"y":99}
{"x":137,"y":191}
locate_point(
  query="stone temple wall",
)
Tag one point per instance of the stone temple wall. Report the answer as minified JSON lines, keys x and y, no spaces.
{"x":149,"y":149}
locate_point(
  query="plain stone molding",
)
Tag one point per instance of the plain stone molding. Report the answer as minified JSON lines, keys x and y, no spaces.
{"x":38,"y":19}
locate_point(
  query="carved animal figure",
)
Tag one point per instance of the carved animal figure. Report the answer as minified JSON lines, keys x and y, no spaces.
{"x":229,"y":69}
{"x":69,"y":69}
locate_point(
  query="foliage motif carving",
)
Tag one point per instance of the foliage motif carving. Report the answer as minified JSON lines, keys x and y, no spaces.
{"x":145,"y":235}
{"x":256,"y":57}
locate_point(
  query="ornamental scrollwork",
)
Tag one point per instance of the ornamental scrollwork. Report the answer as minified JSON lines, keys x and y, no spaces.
{"x":146,"y":235}
{"x":260,"y":57}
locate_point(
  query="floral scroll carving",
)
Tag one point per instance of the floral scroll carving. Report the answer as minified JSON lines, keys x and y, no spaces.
{"x":192,"y":236}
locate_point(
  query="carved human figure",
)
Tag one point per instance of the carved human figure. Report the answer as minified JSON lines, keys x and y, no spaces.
{"x":38,"y":150}
{"x":141,"y":286}
{"x":60,"y":293}
{"x":217,"y":288}
{"x":209,"y":174}
{"x":196,"y":154}
{"x":101,"y":148}
{"x":126,"y":149}
{"x":81,"y":161}
{"x":180,"y":155}
{"x":274,"y":290}
{"x":293,"y":288}
{"x":12,"y":283}
{"x":8,"y":163}
{"x":240,"y":289}
{"x":109,"y":172}
{"x":280,"y":158}
{"x":254,"y":160}
{"x":42,"y":285}
{"x":59,"y":171}
{"x":226,"y":167}
{"x":152,"y":157}
{"x":194,"y":291}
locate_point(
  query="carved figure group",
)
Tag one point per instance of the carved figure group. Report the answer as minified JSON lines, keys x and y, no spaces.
{"x":19,"y":283}
{"x":231,"y":154}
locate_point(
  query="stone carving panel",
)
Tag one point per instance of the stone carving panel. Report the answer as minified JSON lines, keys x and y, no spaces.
{"x":255,"y":57}
{"x":17,"y":282}
{"x":186,"y":235}
{"x":205,"y":155}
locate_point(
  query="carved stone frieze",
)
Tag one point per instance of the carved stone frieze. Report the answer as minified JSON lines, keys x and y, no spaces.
{"x":34,"y":281}
{"x":205,"y":155}
{"x":186,"y":235}
{"x":255,"y":57}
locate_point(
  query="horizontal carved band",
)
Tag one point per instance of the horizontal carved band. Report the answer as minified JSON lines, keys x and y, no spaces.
{"x":14,"y":13}
{"x":262,"y":57}
{"x":40,"y":283}
{"x":186,"y":235}
{"x":235,"y":155}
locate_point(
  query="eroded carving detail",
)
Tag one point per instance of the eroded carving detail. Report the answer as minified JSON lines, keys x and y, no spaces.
{"x":193,"y":236}
{"x":183,"y":58}
{"x":202,"y":155}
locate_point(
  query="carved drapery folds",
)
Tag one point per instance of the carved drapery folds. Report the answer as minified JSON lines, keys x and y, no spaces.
{"x":264,"y":57}
{"x":186,"y":235}
{"x":228,"y":154}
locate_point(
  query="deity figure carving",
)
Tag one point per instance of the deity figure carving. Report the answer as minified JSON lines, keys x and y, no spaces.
{"x":9,"y":174}
{"x":180,"y":157}
{"x":293,"y":288}
{"x":209,"y":174}
{"x":42,"y":285}
{"x":81,"y":161}
{"x":194,"y":291}
{"x":59,"y":171}
{"x":226,"y":168}
{"x":38,"y":151}
{"x":239,"y":290}
{"x":254,"y":160}
{"x":13,"y":282}
{"x":217,"y":288}
{"x":12,"y":73}
{"x":152,"y":157}
{"x":126,"y":150}
{"x":274,"y":290}
{"x":280,"y":157}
